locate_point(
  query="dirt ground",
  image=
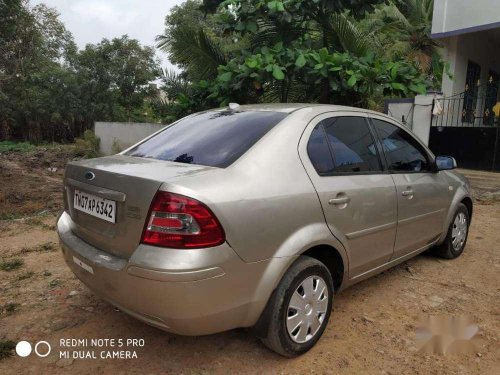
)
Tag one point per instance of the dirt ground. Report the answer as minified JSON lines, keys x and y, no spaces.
{"x":371,"y":330}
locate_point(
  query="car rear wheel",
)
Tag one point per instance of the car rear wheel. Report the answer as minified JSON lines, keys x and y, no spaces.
{"x":300,"y":307}
{"x":456,"y":238}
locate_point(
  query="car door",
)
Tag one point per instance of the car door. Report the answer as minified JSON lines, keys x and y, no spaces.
{"x":357,"y":195}
{"x":422,"y":193}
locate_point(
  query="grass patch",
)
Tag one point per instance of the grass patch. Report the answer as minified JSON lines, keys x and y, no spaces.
{"x":32,"y":214}
{"x":8,"y":146}
{"x":37,"y":221}
{"x":10,"y":216}
{"x":11,"y":265}
{"x":25,"y":275}
{"x":10,"y":308}
{"x":6,"y":348}
{"x":54,"y":283}
{"x":25,"y":147}
{"x":45,"y":247}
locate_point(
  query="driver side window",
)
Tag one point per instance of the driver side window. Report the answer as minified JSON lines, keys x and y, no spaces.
{"x":402,"y":151}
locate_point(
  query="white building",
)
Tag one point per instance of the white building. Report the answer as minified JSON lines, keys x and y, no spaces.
{"x":469,"y":31}
{"x":463,"y":122}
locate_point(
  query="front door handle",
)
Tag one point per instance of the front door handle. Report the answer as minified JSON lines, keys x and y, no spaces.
{"x":339,"y":201}
{"x":407,"y":193}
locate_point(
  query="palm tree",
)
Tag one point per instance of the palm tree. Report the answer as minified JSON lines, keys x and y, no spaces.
{"x":403,"y":27}
{"x":195,"y":50}
{"x":202,"y":46}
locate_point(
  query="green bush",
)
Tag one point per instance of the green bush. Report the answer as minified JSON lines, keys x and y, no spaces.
{"x":88,"y":146}
{"x":116,"y":147}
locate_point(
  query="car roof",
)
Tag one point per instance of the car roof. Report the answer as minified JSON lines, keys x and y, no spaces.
{"x":292,"y":107}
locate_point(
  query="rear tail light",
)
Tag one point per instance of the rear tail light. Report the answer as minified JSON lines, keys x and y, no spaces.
{"x":180,"y":222}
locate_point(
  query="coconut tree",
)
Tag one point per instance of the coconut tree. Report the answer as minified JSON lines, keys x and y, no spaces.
{"x":403,"y":27}
{"x":294,"y":50}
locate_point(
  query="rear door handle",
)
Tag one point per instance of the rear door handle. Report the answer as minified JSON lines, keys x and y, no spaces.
{"x":341,"y":200}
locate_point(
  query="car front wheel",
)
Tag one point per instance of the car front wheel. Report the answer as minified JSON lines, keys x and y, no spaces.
{"x":456,"y":238}
{"x":300,"y":308}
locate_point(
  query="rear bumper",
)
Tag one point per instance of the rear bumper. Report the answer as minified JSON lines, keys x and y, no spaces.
{"x":189,"y":292}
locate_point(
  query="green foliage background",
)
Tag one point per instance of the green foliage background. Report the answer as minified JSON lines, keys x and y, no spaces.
{"x":350,"y":52}
{"x":50,"y":91}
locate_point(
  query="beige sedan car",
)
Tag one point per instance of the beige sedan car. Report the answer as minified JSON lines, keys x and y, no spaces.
{"x":256,"y":216}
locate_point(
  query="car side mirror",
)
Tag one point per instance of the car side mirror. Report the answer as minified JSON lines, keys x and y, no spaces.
{"x":445,"y":163}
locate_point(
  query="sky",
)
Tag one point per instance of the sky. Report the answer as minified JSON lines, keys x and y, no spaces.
{"x":91,"y":20}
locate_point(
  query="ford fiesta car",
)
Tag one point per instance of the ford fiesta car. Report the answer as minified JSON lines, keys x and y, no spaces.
{"x":256,"y":216}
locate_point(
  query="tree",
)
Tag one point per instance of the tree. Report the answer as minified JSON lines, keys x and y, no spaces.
{"x":33,"y":41}
{"x":50,"y":91}
{"x":403,"y":27}
{"x":311,"y":51}
{"x":195,"y":40}
{"x":29,"y":36}
{"x":17,"y":37}
{"x":114,"y":78}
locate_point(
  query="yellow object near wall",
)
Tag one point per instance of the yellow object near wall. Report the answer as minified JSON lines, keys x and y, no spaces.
{"x":496,"y":109}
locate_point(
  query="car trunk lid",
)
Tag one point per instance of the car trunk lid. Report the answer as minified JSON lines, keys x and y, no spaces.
{"x":129,"y":181}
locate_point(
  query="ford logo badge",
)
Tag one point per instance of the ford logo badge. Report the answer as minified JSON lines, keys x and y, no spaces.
{"x":89,"y":175}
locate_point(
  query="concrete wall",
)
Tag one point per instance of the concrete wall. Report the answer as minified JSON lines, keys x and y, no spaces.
{"x":401,"y":110}
{"x":422,"y":116}
{"x":481,"y":48}
{"x":124,"y":134}
{"x":417,"y":113}
{"x":458,"y":16}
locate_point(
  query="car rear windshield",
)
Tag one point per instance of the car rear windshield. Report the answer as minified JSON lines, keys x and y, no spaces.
{"x":215,"y":138}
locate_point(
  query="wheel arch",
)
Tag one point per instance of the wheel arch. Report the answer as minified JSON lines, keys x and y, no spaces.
{"x":467,"y":201}
{"x":332,"y":259}
{"x":461,"y":197}
{"x":327,"y":254}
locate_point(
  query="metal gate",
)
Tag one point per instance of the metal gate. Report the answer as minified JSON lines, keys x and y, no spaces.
{"x":467,"y":128}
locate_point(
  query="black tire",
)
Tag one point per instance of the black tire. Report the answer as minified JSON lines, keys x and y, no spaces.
{"x":446,"y":250}
{"x":276,"y":336}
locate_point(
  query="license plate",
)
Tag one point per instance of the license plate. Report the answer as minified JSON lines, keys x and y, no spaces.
{"x":93,"y":205}
{"x":85,"y":266}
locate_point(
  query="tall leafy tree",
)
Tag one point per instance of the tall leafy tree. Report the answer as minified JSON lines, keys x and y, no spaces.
{"x":114,"y":78}
{"x":33,"y":42}
{"x":309,"y":50}
{"x":51,"y":91}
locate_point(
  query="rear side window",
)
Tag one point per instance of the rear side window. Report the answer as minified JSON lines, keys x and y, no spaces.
{"x":402,"y":151}
{"x":350,"y":143}
{"x":319,"y":151}
{"x":215,"y":138}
